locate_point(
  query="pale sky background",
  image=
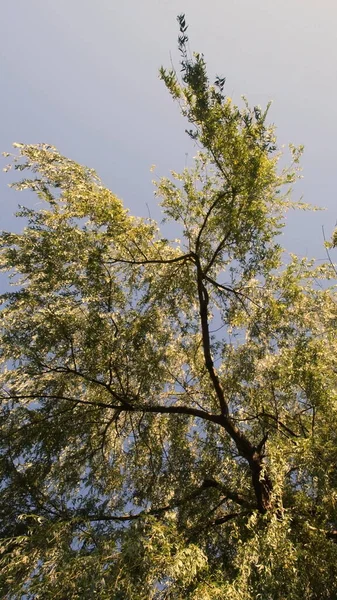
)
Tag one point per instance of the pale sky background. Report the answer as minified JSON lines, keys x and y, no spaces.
{"x":82,"y":75}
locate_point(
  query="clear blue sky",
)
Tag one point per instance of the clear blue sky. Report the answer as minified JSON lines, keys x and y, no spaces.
{"x":83,"y":75}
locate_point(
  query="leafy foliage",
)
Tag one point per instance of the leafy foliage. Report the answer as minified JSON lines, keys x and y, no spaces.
{"x":168,"y":409}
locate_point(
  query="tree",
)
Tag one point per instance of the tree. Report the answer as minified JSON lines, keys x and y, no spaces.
{"x":168,"y":408}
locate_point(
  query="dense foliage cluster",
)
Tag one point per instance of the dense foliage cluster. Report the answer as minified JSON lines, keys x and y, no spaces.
{"x":168,"y":408}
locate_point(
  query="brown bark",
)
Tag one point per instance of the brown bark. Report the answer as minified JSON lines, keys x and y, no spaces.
{"x":261,"y":481}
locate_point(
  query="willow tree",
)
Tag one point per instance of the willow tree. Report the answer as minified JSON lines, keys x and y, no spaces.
{"x":168,"y":408}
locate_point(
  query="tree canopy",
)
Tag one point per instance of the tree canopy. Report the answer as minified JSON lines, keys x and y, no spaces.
{"x":168,"y":407}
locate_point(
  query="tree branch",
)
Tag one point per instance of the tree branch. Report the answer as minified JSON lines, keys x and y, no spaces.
{"x":277,"y":420}
{"x":154,"y":408}
{"x":175,"y":504}
{"x":244,"y":446}
{"x":161,"y":261}
{"x":261,"y":482}
{"x":234,"y":496}
{"x":220,"y":196}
